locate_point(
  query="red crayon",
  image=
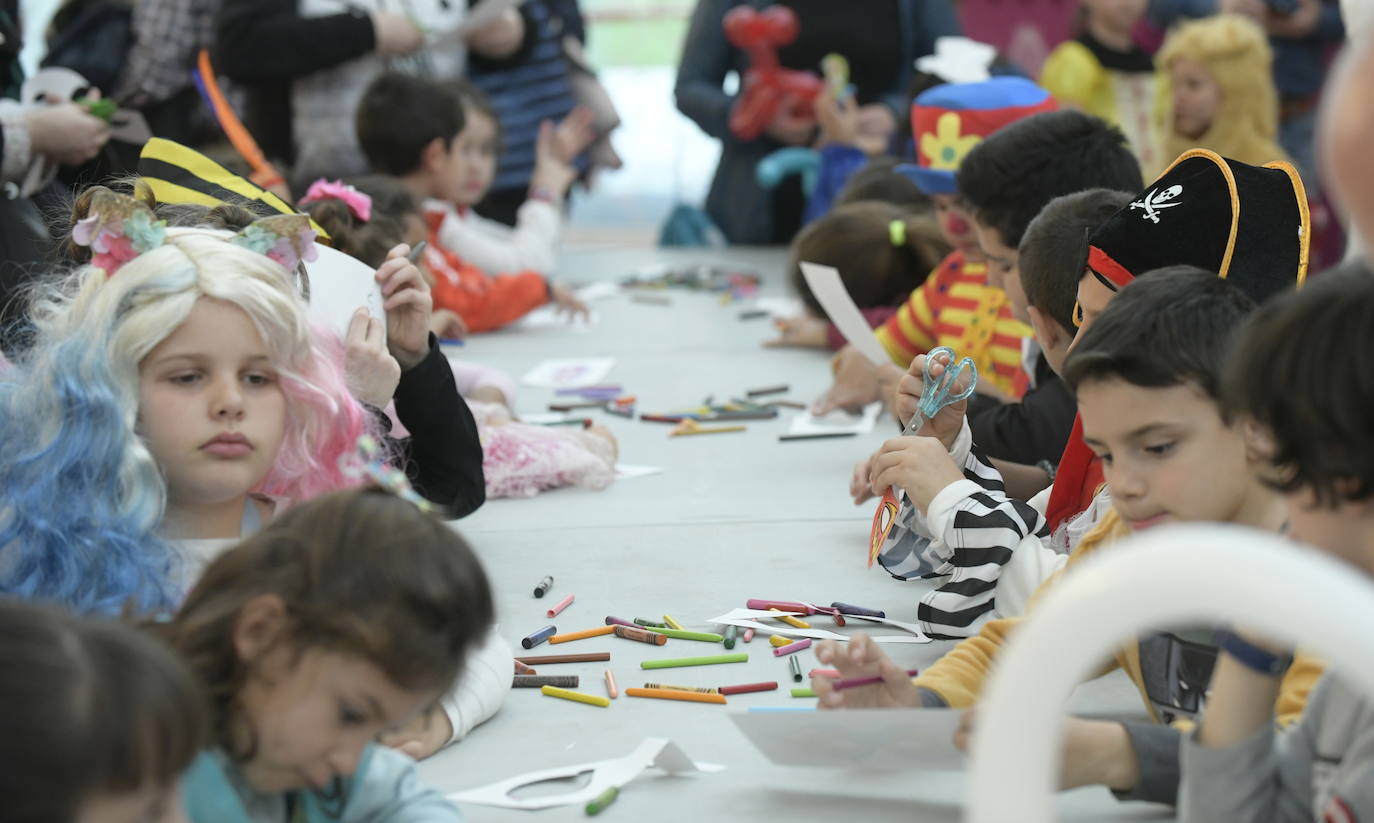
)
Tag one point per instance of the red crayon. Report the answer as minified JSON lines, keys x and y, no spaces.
{"x":744,"y":688}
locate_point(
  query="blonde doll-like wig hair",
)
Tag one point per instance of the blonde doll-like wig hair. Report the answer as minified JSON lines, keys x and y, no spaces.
{"x":81,"y":497}
{"x":1235,"y":52}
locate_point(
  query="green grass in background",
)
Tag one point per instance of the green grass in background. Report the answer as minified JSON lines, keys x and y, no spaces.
{"x":636,"y":32}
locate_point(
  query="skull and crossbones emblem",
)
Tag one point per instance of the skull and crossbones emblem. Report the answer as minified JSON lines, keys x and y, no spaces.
{"x":1156,"y":201}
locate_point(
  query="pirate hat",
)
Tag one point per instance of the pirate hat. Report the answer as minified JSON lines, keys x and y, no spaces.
{"x":947,"y":121}
{"x":1249,"y":224}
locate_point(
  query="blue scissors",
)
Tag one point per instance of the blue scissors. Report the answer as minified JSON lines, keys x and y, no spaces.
{"x":935,"y":395}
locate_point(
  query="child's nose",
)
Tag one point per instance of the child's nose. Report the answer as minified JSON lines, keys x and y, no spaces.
{"x":227,"y":400}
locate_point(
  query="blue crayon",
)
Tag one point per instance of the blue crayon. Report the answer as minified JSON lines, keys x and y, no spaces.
{"x":539,"y":637}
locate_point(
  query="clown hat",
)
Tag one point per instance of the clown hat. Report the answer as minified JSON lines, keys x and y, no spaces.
{"x":1249,"y":224}
{"x":948,"y":121}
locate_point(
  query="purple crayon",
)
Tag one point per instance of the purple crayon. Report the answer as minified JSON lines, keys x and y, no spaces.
{"x":616,"y":621}
{"x":859,"y":610}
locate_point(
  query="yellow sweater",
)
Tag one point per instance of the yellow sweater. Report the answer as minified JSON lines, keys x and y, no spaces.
{"x":958,"y":677}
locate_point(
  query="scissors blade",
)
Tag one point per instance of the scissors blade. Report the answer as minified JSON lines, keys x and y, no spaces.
{"x":917,"y":421}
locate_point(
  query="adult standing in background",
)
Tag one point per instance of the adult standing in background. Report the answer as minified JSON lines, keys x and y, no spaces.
{"x":881,"y":39}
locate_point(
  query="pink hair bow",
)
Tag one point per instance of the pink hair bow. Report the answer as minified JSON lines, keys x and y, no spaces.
{"x":358,"y":203}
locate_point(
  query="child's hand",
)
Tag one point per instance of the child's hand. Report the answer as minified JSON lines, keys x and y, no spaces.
{"x":574,"y":134}
{"x":371,"y":372}
{"x":423,"y":736}
{"x":920,"y":465}
{"x":66,"y":133}
{"x":859,"y":487}
{"x":838,"y":119}
{"x":395,"y":34}
{"x":606,"y":434}
{"x":861,"y":657}
{"x":802,"y":330}
{"x":856,"y":383}
{"x":567,"y":302}
{"x":447,"y":324}
{"x":786,"y":127}
{"x":948,"y":421}
{"x":556,"y":149}
{"x":408,"y":305}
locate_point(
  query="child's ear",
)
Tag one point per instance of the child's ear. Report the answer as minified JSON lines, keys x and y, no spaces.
{"x":1048,"y":331}
{"x":433,"y":154}
{"x":261,"y":625}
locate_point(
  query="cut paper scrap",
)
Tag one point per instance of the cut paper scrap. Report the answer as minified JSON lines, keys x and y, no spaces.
{"x":625,"y":471}
{"x":569,"y":373}
{"x":892,"y":739}
{"x":657,"y":752}
{"x":825,"y":283}
{"x":339,"y":286}
{"x":744,"y":619}
{"x":914,"y":628}
{"x":836,"y":421}
{"x":549,"y":317}
{"x":779,"y":308}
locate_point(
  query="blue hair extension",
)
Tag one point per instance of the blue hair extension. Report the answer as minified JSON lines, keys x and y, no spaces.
{"x":80,"y":500}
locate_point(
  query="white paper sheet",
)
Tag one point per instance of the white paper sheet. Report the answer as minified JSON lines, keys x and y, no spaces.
{"x":896,"y":739}
{"x":600,"y":290}
{"x":654,"y":751}
{"x":626,"y":471}
{"x":569,"y":373}
{"x":548,"y":317}
{"x":778,"y":308}
{"x":839,"y":307}
{"x":339,"y":284}
{"x":836,"y":421}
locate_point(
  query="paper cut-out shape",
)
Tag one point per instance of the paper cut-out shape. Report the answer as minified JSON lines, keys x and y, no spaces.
{"x":897,"y":739}
{"x":744,"y":618}
{"x":657,"y":752}
{"x":825,"y":283}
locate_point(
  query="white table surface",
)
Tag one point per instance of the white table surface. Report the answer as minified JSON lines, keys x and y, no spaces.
{"x":732,"y":517}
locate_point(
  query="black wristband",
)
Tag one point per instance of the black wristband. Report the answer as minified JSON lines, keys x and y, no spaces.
{"x":1253,"y":657}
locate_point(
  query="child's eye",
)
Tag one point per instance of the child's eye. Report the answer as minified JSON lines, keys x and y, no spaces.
{"x":257,"y":379}
{"x":1160,"y":449}
{"x":184,"y":378}
{"x":350,"y":717}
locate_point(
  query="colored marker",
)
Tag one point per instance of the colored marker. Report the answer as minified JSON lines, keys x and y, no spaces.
{"x":562,"y":604}
{"x":582,"y":635}
{"x":598,"y":804}
{"x":779,"y":389}
{"x":525,"y":681}
{"x":683,"y":634}
{"x":748,"y":635}
{"x":616,"y":621}
{"x":859,"y":610}
{"x":611,"y":690}
{"x":697,"y":689}
{"x":731,"y":635}
{"x":673,"y":694}
{"x":745,"y":688}
{"x":577,"y":697}
{"x":544,"y":586}
{"x":414,"y":256}
{"x":642,"y":635}
{"x":803,"y":692}
{"x":593,"y":657}
{"x":786,"y":618}
{"x":639,"y":621}
{"x":852,"y":682}
{"x":777,"y":641}
{"x":711,"y":660}
{"x":794,"y":664}
{"x":792,"y":648}
{"x":538,"y":637}
{"x":672,"y":624}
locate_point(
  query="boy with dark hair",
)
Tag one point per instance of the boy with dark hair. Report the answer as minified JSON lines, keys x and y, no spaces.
{"x":1316,"y":437}
{"x":1147,"y":377}
{"x":1014,"y":172}
{"x":1052,"y":253}
{"x":408,"y":127}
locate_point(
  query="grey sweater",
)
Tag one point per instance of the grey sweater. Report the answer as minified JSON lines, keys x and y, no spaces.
{"x":1319,"y":769}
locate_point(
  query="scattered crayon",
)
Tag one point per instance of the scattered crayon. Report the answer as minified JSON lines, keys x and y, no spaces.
{"x":578,"y":697}
{"x":670,"y":622}
{"x":640,"y":634}
{"x":823,"y":673}
{"x":535,"y":638}
{"x":671,"y":694}
{"x":745,"y":688}
{"x":792,"y":648}
{"x":611,"y":690}
{"x":779,"y":389}
{"x":521,"y":668}
{"x":639,"y":621}
{"x":697,"y":689}
{"x":847,"y":608}
{"x":753,"y":314}
{"x":803,"y":692}
{"x":710,"y":660}
{"x":816,"y":436}
{"x":560,"y":606}
{"x":786,"y":618}
{"x":731,"y":635}
{"x":778,"y":605}
{"x":584,"y":422}
{"x":526,"y":681}
{"x":852,"y":682}
{"x":794,"y":665}
{"x":788,"y":404}
{"x":748,"y":635}
{"x":599,"y":631}
{"x":683,"y":634}
{"x":616,"y":621}
{"x":580,"y":404}
{"x":592,"y":657}
{"x":778,"y":641}
{"x":544,"y":586}
{"x":598,"y":804}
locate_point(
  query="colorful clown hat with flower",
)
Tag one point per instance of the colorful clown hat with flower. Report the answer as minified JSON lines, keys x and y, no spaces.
{"x":948,"y":121}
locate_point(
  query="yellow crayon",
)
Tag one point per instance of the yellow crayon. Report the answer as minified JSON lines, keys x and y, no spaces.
{"x":579,"y":697}
{"x":672,"y":624}
{"x":778,"y":640}
{"x":791,"y":621}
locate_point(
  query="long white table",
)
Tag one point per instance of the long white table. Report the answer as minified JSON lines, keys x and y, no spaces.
{"x":732,"y":517}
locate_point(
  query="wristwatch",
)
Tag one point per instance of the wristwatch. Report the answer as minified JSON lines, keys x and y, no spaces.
{"x":1253,"y":657}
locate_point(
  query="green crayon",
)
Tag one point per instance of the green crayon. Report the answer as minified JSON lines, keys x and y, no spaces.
{"x":650,"y":624}
{"x":598,"y":804}
{"x":803,"y":692}
{"x":741,"y":657}
{"x":683,"y":634}
{"x":731,"y":633}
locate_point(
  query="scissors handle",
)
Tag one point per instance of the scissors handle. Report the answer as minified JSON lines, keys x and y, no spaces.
{"x":936,"y":392}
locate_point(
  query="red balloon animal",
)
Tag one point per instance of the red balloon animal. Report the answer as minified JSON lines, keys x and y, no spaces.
{"x":766,"y":83}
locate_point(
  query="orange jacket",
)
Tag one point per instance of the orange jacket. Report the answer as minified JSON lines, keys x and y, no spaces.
{"x":484,"y":302}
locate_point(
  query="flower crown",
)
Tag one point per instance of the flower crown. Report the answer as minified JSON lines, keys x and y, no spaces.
{"x":119,"y":228}
{"x":359,"y":204}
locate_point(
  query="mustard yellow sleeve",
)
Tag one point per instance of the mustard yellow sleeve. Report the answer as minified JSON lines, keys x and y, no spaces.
{"x":1297,"y":685}
{"x":958,"y":677}
{"x":1071,"y":73}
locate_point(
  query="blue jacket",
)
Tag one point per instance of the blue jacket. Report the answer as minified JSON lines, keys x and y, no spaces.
{"x":384,"y":789}
{"x":735,"y":202}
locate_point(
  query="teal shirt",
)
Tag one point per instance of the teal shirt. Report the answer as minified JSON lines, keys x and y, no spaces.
{"x":384,"y":789}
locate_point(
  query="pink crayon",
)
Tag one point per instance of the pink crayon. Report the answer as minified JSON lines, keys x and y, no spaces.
{"x":780,"y":605}
{"x":849,"y":683}
{"x":790,"y":648}
{"x":562,"y":604}
{"x":616,"y":621}
{"x":748,"y":635}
